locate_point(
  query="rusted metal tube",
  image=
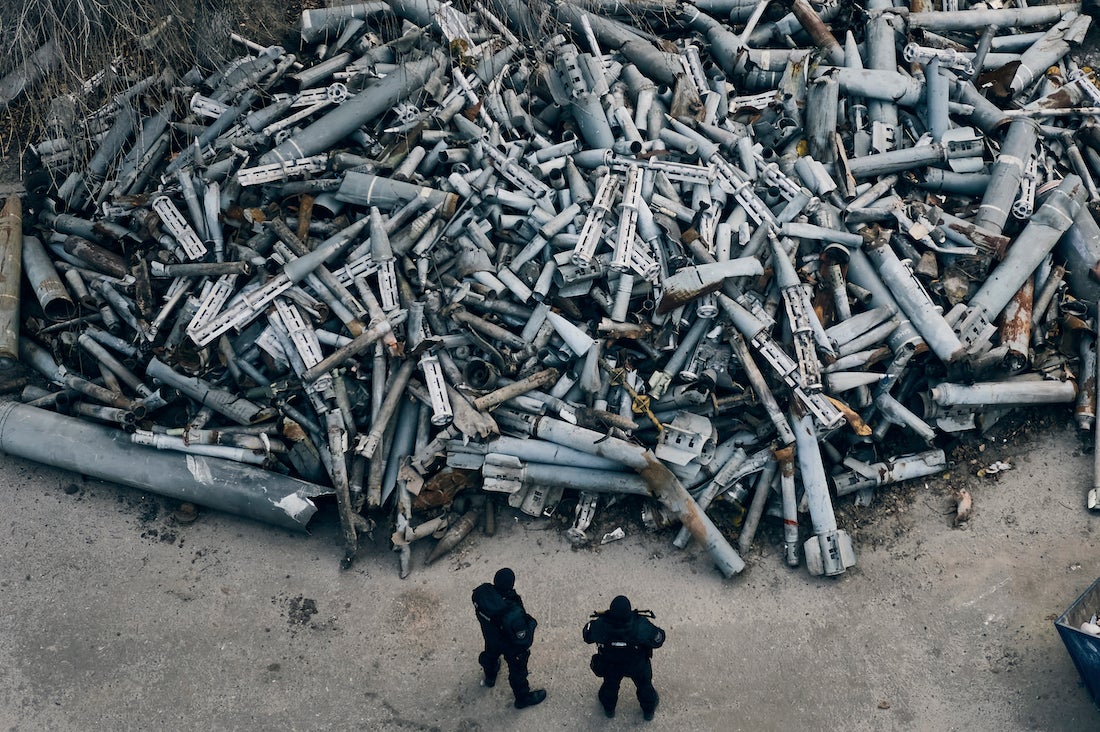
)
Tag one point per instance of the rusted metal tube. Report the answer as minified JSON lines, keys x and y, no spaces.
{"x":1016,"y":327}
{"x":785,"y":458}
{"x":199,"y":269}
{"x":823,"y":38}
{"x":361,"y":343}
{"x":394,"y":389}
{"x":11,"y":245}
{"x":1085,"y":410}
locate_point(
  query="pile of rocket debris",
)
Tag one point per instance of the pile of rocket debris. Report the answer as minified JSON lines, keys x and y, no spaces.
{"x":444,"y":258}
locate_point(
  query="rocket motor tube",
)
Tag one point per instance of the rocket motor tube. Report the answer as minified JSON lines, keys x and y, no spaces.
{"x":105,"y":453}
{"x":56,"y":303}
{"x":11,"y":243}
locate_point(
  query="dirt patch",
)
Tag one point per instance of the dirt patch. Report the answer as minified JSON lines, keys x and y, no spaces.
{"x":299,"y":610}
{"x":416,"y":611}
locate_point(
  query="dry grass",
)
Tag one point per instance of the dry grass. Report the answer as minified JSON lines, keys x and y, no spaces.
{"x":106,"y":46}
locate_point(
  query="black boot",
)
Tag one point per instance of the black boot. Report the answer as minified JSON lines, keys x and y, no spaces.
{"x":647,"y":714}
{"x":530,"y":699}
{"x":491,"y":666}
{"x":609,"y":711}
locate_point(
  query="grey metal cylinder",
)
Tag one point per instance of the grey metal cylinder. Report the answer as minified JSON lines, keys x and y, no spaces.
{"x":1080,"y":247}
{"x":961,"y":20}
{"x":936,"y":93}
{"x":592,"y":121}
{"x":108,"y":454}
{"x":915,"y":302}
{"x":863,"y":274}
{"x":595,"y":481}
{"x":987,"y":116}
{"x":895,"y":470}
{"x":364,"y":189}
{"x":658,"y":65}
{"x":1004,"y":183}
{"x":948,"y":181}
{"x":48,"y":287}
{"x":318,"y":22}
{"x":889,"y":86}
{"x":355,"y":112}
{"x":1040,"y":235}
{"x":1014,"y":392}
{"x":894,"y":161}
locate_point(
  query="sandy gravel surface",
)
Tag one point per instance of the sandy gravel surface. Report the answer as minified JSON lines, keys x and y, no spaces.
{"x":113,"y":616}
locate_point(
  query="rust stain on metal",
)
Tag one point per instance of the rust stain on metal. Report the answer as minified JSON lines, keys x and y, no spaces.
{"x":99,"y":258}
{"x":1060,"y":99}
{"x":674,"y":297}
{"x":992,"y":243}
{"x":852,"y":417}
{"x":663,"y":486}
{"x":1016,"y":324}
{"x":1086,"y":405}
{"x":441,"y":488}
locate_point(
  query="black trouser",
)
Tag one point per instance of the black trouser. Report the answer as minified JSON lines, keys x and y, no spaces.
{"x":642,"y":677}
{"x":517,"y":665}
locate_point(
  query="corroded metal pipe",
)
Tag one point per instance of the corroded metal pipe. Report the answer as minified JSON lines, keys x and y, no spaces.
{"x":11,"y":243}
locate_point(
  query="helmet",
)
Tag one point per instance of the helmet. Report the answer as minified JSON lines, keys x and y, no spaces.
{"x":620,"y":610}
{"x":504,"y":579}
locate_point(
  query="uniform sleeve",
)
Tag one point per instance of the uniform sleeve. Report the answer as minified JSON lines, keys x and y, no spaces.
{"x":488,"y":603}
{"x":587,"y":632}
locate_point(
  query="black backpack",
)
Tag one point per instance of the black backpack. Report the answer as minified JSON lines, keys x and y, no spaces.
{"x":517,"y":626}
{"x":508,"y":617}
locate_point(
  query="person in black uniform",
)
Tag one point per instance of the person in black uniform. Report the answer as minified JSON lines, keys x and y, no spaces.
{"x":508,"y":631}
{"x":625,"y":639}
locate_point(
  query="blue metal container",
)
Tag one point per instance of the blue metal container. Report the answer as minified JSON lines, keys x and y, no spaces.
{"x":1084,"y":648}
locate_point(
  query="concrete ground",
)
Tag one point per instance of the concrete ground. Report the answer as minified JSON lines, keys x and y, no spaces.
{"x":114,"y":616}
